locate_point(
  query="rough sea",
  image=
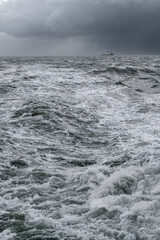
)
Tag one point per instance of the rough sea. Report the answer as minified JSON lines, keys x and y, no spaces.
{"x":80,"y":148}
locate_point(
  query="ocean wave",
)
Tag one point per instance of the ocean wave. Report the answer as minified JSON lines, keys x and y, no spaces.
{"x":79,"y":148}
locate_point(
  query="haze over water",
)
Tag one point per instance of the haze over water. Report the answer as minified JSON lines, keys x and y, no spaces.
{"x":80,"y":148}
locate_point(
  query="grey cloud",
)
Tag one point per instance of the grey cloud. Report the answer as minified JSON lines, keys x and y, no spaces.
{"x":125,"y":26}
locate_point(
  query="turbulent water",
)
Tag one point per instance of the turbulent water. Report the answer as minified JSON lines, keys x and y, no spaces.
{"x":80,"y":148}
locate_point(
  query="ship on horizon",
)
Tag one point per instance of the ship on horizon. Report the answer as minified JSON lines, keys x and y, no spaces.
{"x":108,"y":53}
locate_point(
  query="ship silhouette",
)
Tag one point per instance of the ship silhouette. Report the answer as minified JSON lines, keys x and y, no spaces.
{"x":108,"y":53}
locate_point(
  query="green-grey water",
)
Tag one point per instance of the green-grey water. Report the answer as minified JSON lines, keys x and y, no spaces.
{"x":80,"y":148}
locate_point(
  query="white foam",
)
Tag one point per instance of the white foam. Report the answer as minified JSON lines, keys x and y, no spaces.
{"x":7,"y":235}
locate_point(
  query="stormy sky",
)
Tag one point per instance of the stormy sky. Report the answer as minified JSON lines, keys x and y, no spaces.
{"x":79,"y":27}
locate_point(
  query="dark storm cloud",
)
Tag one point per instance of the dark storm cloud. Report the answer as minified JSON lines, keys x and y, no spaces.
{"x":125,"y":26}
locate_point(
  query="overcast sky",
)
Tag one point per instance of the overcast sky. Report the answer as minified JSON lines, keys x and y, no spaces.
{"x":78,"y":27}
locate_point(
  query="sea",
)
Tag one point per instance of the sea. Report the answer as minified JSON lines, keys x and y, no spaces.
{"x":80,"y":148}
